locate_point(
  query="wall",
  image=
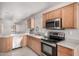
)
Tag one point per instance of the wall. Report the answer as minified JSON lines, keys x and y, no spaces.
{"x":38,"y":23}
{"x":10,"y":13}
{"x":20,"y":28}
{"x":6,"y":27}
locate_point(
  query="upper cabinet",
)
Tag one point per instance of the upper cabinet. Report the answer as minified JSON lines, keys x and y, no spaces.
{"x":68,"y":16}
{"x":50,"y":15}
{"x":28,"y":23}
{"x":44,"y":20}
{"x":54,"y":14}
{"x":31,"y":23}
{"x":76,"y":15}
{"x":67,"y":13}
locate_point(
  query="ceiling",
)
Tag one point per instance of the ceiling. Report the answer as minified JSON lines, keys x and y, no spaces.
{"x":17,"y":11}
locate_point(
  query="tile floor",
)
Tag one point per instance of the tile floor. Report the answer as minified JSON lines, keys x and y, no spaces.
{"x":20,"y":52}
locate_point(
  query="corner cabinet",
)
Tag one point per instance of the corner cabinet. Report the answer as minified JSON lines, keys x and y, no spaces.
{"x":34,"y":44}
{"x":64,"y":51}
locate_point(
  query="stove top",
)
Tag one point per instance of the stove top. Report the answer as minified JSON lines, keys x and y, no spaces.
{"x":54,"y":37}
{"x":51,"y":41}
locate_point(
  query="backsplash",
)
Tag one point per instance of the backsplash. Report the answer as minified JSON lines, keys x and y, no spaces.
{"x":72,"y":34}
{"x":69,"y":33}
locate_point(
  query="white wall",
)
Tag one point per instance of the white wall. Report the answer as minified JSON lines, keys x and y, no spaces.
{"x":6,"y":27}
{"x":20,"y":28}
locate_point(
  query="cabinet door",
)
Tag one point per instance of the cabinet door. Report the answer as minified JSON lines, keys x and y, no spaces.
{"x":57,"y":13}
{"x":32,"y":22}
{"x":50,"y":15}
{"x":5,"y":44}
{"x":63,"y":51}
{"x":44,"y":20}
{"x":29,"y":23}
{"x":68,"y":16}
{"x":28,"y":41}
{"x":77,"y":15}
{"x":24,"y":41}
{"x":9,"y":43}
{"x":54,"y":14}
{"x":37,"y":45}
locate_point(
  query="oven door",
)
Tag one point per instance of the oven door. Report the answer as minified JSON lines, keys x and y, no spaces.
{"x":48,"y":49}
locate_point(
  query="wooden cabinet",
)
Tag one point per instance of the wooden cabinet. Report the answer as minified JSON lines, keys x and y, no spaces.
{"x":54,"y":14}
{"x":67,"y":13}
{"x":64,"y":51}
{"x":5,"y":44}
{"x":37,"y":45}
{"x":76,"y":14}
{"x":34,"y":44}
{"x":68,"y":16}
{"x":28,"y":23}
{"x":44,"y":20}
{"x":29,"y":41}
{"x":51,"y":15}
{"x":24,"y":41}
{"x":31,"y":23}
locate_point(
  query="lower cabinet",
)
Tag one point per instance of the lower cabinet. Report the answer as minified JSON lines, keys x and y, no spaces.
{"x":34,"y":44}
{"x":5,"y":44}
{"x":64,"y":51}
{"x":24,"y":41}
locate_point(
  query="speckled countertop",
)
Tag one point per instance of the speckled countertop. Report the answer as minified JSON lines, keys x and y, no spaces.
{"x":33,"y":35}
{"x":73,"y":44}
{"x":36,"y":36}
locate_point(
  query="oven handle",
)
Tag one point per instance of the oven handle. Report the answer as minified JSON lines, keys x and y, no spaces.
{"x":49,"y":44}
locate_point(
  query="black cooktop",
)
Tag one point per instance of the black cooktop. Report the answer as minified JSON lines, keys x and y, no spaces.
{"x":51,"y":41}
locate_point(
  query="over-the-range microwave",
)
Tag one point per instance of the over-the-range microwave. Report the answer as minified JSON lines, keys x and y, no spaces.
{"x":55,"y":23}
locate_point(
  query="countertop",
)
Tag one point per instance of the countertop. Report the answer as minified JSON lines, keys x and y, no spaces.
{"x":73,"y":44}
{"x":34,"y":35}
{"x":12,"y":35}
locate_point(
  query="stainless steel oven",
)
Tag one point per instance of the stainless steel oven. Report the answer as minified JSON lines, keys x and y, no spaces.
{"x":48,"y":50}
{"x":49,"y":44}
{"x":55,"y":23}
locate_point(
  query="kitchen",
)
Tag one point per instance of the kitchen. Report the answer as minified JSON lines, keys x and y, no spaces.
{"x":52,"y":30}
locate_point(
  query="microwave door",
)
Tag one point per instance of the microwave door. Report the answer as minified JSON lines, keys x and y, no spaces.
{"x":50,"y":25}
{"x":57,"y":25}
